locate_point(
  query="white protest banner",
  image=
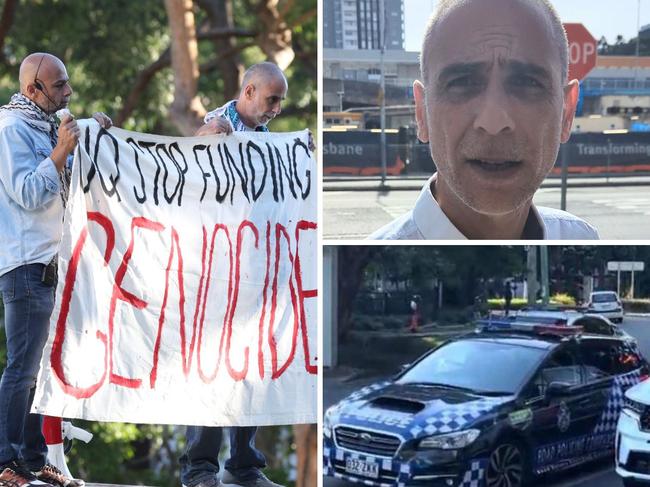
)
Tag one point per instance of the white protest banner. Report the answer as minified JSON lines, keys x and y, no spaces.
{"x":187,"y":282}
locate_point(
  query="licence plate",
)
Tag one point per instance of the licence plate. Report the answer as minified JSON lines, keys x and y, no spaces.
{"x":361,"y":467}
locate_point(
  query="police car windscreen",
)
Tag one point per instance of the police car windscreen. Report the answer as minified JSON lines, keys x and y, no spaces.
{"x":477,"y":365}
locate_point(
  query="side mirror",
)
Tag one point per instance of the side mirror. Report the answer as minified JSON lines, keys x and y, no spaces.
{"x":557,"y":389}
{"x":401,"y":370}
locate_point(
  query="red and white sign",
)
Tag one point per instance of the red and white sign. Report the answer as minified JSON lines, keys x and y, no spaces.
{"x":582,"y":51}
{"x":187,"y":282}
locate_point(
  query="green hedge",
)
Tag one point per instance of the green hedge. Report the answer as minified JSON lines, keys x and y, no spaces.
{"x":559,"y":300}
{"x":636,"y":305}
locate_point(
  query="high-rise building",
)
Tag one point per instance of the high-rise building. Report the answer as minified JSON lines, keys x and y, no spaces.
{"x":354,"y":24}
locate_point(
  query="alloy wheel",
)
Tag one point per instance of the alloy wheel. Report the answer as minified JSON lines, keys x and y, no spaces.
{"x":506,"y":467}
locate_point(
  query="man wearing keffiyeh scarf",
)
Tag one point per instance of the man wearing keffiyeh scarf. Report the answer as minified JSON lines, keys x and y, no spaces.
{"x":22,"y":107}
{"x":34,"y":181}
{"x":264,"y":87}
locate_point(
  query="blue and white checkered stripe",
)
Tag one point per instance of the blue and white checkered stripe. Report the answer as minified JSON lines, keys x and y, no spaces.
{"x":328,"y":468}
{"x":454,"y":417}
{"x":475,"y":476}
{"x":364,"y":391}
{"x":609,"y":416}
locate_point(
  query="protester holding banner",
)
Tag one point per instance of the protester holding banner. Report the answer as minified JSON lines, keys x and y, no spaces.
{"x":34,"y":180}
{"x":264,"y":87}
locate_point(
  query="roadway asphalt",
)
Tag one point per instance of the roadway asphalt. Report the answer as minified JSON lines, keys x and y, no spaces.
{"x":598,"y":475}
{"x":617,"y":211}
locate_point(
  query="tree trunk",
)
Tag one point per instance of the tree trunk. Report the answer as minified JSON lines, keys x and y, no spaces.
{"x":141,"y":82}
{"x":6,"y":21}
{"x":187,"y":110}
{"x":275,"y":35}
{"x":220,"y":14}
{"x":352,"y":262}
{"x":306,"y":452}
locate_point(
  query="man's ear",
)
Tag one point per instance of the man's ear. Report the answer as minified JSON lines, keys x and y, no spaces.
{"x":249,"y":90}
{"x":571,"y":93}
{"x":419,"y":94}
{"x":30,"y":91}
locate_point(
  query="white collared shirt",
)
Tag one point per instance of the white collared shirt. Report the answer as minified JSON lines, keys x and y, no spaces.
{"x":427,"y":221}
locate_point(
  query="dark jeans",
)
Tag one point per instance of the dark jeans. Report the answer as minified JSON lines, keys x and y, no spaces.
{"x":28,"y":304}
{"x":201,"y":457}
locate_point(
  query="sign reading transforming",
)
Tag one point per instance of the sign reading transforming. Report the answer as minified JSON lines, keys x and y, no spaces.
{"x":187,"y":282}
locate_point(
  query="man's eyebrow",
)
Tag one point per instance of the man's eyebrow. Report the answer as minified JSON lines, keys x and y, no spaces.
{"x":457,"y":69}
{"x":515,"y":67}
{"x":519,"y":67}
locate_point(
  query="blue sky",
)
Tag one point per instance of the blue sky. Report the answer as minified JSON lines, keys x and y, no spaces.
{"x":601,"y":17}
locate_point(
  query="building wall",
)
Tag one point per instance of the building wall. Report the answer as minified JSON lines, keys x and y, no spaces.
{"x":598,"y":124}
{"x":332,"y":25}
{"x":395,"y":24}
{"x":354,"y":24}
{"x":401,"y":68}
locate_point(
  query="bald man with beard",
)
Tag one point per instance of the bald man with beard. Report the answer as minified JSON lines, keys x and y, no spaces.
{"x":34,"y":180}
{"x":264,"y":87}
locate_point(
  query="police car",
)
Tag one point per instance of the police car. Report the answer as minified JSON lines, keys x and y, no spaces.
{"x":491,"y":408}
{"x":590,"y":322}
{"x":633,"y":437}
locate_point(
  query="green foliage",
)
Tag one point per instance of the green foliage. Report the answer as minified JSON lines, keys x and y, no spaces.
{"x":558,"y":299}
{"x":455,"y":316}
{"x":563,"y":299}
{"x":500,"y":303}
{"x":106,"y":457}
{"x":461,"y":268}
{"x":636,"y":305}
{"x":376,"y":323}
{"x":105,"y":44}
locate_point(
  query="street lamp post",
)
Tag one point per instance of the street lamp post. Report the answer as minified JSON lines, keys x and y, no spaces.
{"x":638,"y":43}
{"x":382,"y":89}
{"x":543,"y":257}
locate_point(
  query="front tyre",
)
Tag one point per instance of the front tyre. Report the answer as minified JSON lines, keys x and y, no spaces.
{"x":507,"y":466}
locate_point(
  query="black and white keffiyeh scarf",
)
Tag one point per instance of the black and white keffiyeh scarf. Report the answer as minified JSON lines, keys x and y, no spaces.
{"x":35,"y":117}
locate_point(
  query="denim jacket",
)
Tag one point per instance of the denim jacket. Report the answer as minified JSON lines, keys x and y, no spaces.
{"x":31,"y":209}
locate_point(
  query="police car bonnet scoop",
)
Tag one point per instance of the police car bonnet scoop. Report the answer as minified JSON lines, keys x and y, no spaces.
{"x":391,"y":403}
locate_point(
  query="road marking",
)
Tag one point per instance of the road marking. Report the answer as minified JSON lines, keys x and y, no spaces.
{"x":637,"y":205}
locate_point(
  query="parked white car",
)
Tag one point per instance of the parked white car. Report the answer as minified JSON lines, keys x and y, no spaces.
{"x":606,"y":303}
{"x":633,"y":437}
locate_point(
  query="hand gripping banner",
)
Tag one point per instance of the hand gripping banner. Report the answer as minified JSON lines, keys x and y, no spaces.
{"x":187,"y":282}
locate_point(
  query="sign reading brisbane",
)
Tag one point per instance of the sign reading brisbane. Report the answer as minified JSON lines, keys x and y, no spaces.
{"x":187,"y":282}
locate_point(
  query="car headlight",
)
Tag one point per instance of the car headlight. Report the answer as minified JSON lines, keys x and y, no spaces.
{"x":327,"y":423}
{"x":630,"y":413}
{"x":450,"y":441}
{"x":634,"y":406}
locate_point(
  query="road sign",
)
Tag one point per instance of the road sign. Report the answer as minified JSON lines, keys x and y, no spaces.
{"x":582,"y":51}
{"x":622,"y":266}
